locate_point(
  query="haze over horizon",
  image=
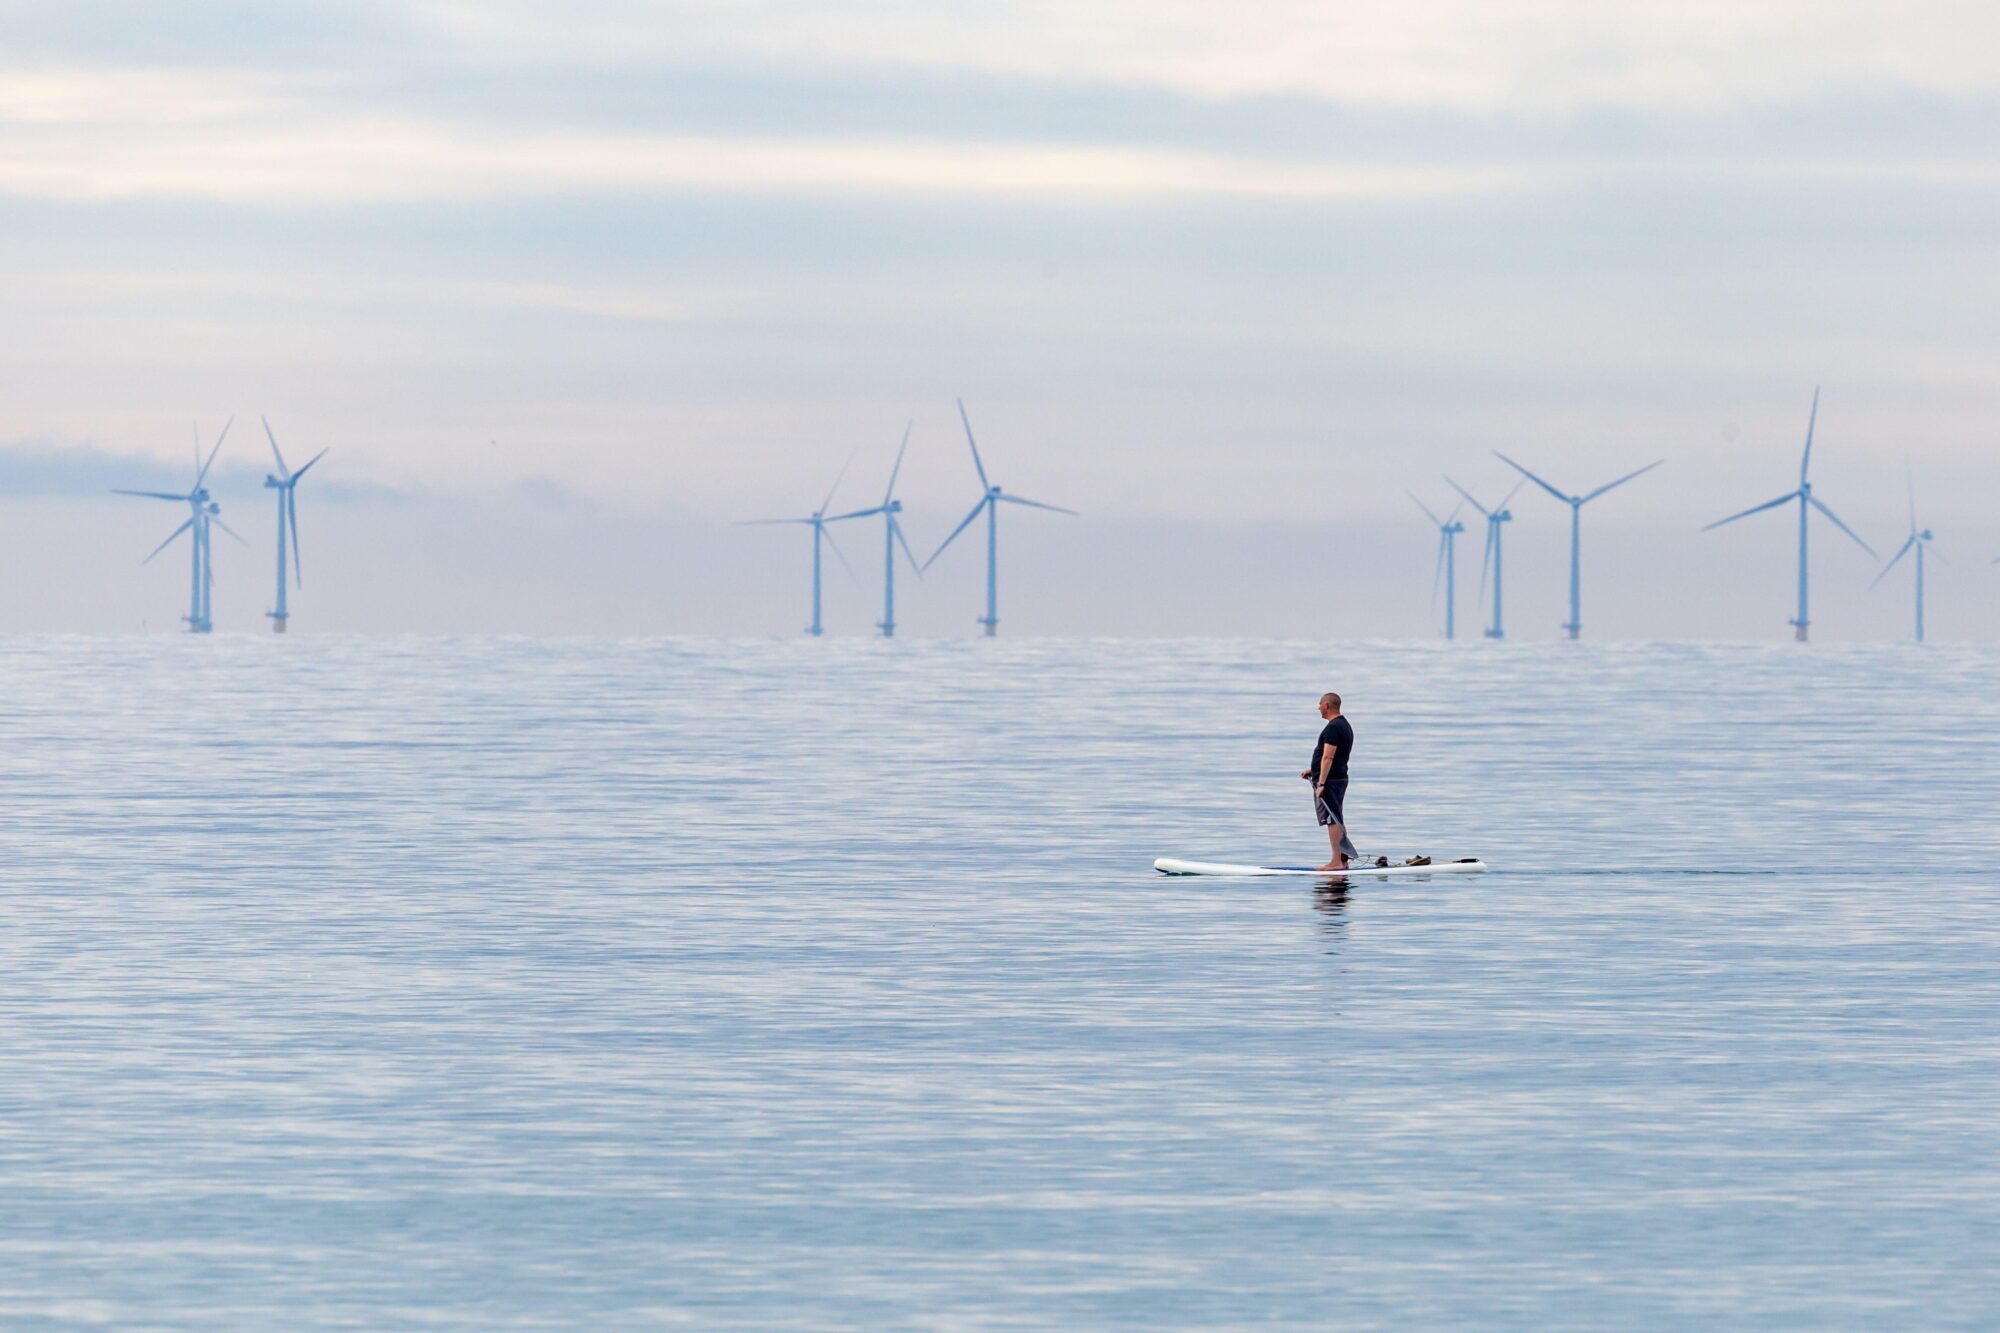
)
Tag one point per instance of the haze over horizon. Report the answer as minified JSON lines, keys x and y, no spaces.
{"x":568,"y":294}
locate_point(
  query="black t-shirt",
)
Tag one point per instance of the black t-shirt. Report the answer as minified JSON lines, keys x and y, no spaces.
{"x":1340,"y":736}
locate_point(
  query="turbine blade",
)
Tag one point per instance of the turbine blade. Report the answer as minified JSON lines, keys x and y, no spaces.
{"x":904,"y":542}
{"x":1486,"y":557}
{"x":1437,"y":577}
{"x":1814,"y":501}
{"x":1613,"y":485}
{"x":977,"y":465}
{"x":283,"y":471}
{"x":1035,"y":504}
{"x":766,"y":522}
{"x":1894,"y":560}
{"x":292,"y":509}
{"x":1806,"y":460}
{"x":203,"y":474}
{"x":837,"y":518}
{"x":890,"y":494}
{"x":838,"y":477}
{"x":1511,"y":494}
{"x":309,"y":464}
{"x":226,"y":528}
{"x":1468,"y":497}
{"x":1531,"y":477}
{"x":839,"y":555}
{"x":976,"y":511}
{"x":168,"y":542}
{"x":1787,"y":498}
{"x":1435,"y":520}
{"x":153,"y":495}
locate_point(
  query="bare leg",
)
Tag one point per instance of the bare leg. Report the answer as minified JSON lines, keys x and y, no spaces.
{"x":1336,"y":834}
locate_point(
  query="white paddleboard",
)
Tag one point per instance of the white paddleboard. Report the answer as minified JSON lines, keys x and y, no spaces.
{"x":1167,"y":865}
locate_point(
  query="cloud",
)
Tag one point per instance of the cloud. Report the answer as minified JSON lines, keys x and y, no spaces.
{"x":45,"y":469}
{"x":1543,"y":56}
{"x":341,"y":159}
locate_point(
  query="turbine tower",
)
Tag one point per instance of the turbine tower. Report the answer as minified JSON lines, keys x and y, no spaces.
{"x":990,"y":503}
{"x":1807,"y":502}
{"x":1447,"y":565}
{"x":285,"y":483}
{"x":817,"y":520}
{"x":1917,"y":542}
{"x":892,"y":537}
{"x":1490,"y":560}
{"x":1576,"y":504}
{"x":203,"y":512}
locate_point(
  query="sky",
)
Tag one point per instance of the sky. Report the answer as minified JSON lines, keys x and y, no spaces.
{"x":569,"y":291}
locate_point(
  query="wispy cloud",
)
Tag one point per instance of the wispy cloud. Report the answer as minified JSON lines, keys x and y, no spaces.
{"x":48,"y":469}
{"x":1546,"y":56}
{"x":320,"y":158}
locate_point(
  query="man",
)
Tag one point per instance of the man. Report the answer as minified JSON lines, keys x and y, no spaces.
{"x":1328,"y":775}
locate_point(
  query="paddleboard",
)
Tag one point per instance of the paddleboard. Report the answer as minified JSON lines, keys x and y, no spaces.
{"x":1167,"y":865}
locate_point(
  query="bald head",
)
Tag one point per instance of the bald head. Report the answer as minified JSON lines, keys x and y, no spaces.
{"x":1329,"y":705}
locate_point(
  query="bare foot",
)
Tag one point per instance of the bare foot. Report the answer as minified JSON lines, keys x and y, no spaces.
{"x":1330,"y":866}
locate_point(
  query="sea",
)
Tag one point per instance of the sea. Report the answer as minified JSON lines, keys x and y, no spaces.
{"x":526,"y":983}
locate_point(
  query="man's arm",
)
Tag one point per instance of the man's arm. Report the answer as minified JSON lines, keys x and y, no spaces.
{"x":1326,"y":766}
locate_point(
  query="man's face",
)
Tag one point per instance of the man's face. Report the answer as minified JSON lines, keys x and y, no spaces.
{"x":1324,"y":711}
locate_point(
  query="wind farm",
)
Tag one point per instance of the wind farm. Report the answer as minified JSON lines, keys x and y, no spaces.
{"x":990,"y":499}
{"x":203,"y":518}
{"x":1574,"y":625}
{"x":1807,"y":502}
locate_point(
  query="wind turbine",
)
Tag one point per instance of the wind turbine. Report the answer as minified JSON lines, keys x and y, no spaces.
{"x":989,"y":502}
{"x":1807,"y":501}
{"x":1917,"y":542}
{"x":203,"y":512}
{"x":1447,"y":565}
{"x":1491,"y":559}
{"x":1576,"y":504}
{"x":286,"y":484}
{"x":892,"y":537}
{"x":817,"y":520}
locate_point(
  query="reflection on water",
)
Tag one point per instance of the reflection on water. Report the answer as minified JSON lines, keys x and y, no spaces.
{"x":467,"y":983}
{"x":1330,"y":900}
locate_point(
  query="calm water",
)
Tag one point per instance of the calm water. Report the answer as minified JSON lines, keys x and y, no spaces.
{"x":496,"y":983}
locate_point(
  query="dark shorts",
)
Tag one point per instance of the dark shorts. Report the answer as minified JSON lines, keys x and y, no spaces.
{"x":1327,"y":802}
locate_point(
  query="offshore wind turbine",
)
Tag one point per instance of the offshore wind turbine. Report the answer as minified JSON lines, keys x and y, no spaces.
{"x":817,"y":520}
{"x":989,"y":502}
{"x":892,"y":537}
{"x":1495,"y":516}
{"x":1917,"y":542}
{"x":203,"y":513}
{"x":286,"y":484}
{"x":1576,"y":503}
{"x":1447,"y":565}
{"x":1807,"y":502}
